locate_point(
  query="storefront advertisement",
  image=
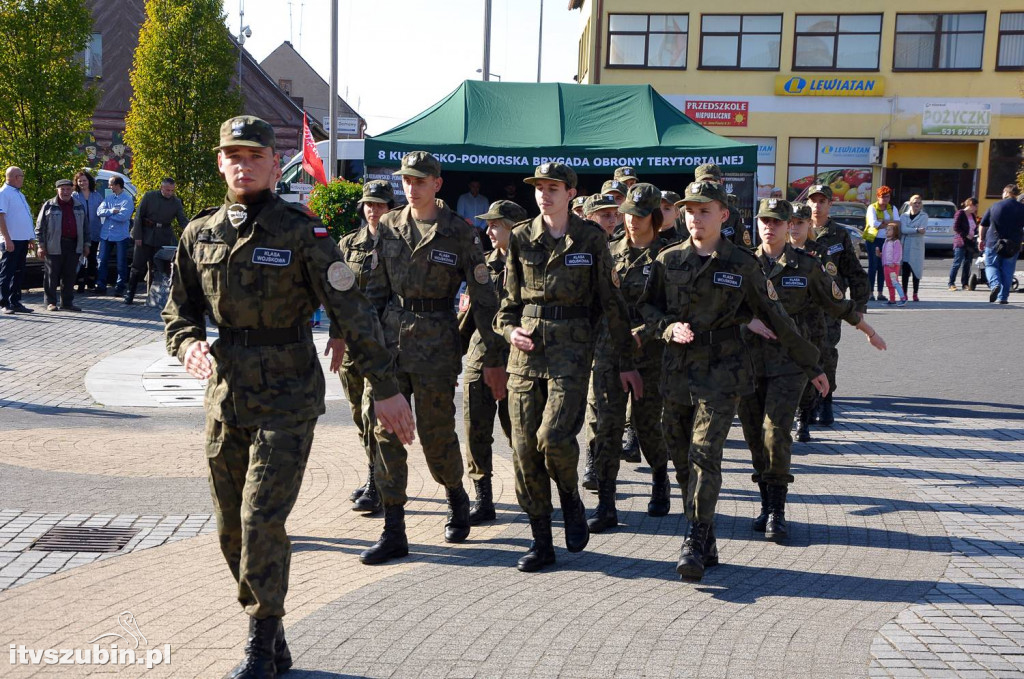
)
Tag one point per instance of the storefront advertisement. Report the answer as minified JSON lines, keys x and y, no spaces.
{"x":828,"y":86}
{"x":842,"y":163}
{"x":956,"y":120}
{"x":847,"y":183}
{"x":718,"y":113}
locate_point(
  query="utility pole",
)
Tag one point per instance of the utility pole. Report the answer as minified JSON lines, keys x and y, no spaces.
{"x":332,"y":111}
{"x":487,"y":40}
{"x":540,"y":38}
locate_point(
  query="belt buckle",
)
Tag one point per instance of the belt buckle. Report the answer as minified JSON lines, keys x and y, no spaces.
{"x":557,"y":316}
{"x":245,"y":337}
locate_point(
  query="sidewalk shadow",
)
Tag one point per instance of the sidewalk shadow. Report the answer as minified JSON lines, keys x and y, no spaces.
{"x":98,"y":411}
{"x":936,"y":407}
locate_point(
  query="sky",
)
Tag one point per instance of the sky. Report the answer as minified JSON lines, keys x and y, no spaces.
{"x":399,"y":57}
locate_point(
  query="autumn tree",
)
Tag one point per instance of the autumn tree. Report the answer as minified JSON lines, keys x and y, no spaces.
{"x":45,"y":105}
{"x":181,"y":93}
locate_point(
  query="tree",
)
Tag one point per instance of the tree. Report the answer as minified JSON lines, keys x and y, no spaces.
{"x":45,"y":106}
{"x":181,"y":93}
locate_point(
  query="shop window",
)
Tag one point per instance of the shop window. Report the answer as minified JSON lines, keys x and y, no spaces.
{"x":648,"y":40}
{"x":939,"y":42}
{"x":837,"y":42}
{"x":1011,"y":42}
{"x":734,"y":41}
{"x":843,"y":164}
{"x":765,"y":163}
{"x":1005,"y":160}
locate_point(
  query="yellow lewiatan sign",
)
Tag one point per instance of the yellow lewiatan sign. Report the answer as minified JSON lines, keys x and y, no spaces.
{"x":828,"y":86}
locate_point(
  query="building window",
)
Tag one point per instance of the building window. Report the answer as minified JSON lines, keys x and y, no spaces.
{"x":286,"y":86}
{"x":92,"y":57}
{"x":1011,"y":41}
{"x":1005,"y":159}
{"x":583,"y":67}
{"x":837,"y":42}
{"x":843,"y":164}
{"x":647,"y":40}
{"x":734,"y":41}
{"x":939,"y":42}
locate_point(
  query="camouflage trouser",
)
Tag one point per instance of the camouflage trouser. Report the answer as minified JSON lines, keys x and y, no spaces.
{"x":547,"y":415}
{"x":433,"y":399}
{"x":830,"y":351}
{"x":255,"y":475}
{"x":592,"y":415}
{"x":701,"y":430}
{"x":360,"y":401}
{"x":767,"y":419}
{"x":611,"y":406}
{"x":478,"y":410}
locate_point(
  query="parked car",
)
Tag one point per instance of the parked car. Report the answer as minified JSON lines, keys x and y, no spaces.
{"x":939,"y":231}
{"x":851,"y":216}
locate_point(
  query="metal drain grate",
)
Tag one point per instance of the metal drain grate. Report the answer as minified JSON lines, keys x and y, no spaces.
{"x":82,"y":539}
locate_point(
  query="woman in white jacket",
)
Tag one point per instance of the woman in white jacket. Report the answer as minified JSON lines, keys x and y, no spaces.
{"x":912,"y":228}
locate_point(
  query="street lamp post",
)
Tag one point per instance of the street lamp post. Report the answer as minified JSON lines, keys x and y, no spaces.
{"x":243,"y":33}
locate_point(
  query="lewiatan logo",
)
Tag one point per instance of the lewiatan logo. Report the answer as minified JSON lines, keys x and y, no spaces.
{"x":795,"y":85}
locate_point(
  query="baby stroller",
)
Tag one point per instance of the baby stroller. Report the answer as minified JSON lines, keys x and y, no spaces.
{"x":978,"y":275}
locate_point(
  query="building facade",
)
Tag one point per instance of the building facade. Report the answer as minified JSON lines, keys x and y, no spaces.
{"x":928,"y":99}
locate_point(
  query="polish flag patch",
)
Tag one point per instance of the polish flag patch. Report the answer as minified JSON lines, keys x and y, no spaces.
{"x":321,"y":231}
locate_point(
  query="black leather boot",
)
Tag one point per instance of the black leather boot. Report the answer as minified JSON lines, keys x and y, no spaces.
{"x":661,"y":492}
{"x":827,"y":418}
{"x":691,"y":557}
{"x":711,"y":549}
{"x":133,"y":282}
{"x":393,"y":544}
{"x":605,"y":516}
{"x":803,"y":432}
{"x":483,"y":507}
{"x":369,"y":501}
{"x":762,"y":518}
{"x":589,"y":473}
{"x":456,"y":529}
{"x":574,"y":516}
{"x":259,"y":660}
{"x":630,"y":445}
{"x":283,"y":655}
{"x":361,"y":489}
{"x":542,"y":550}
{"x":776,"y":526}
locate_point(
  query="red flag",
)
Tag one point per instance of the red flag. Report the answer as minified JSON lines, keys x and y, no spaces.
{"x":311,"y":160}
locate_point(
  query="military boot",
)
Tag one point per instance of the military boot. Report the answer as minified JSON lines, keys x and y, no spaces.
{"x":574,"y":517}
{"x":589,"y":473}
{"x":661,"y":492}
{"x":393,"y":543}
{"x":133,"y":282}
{"x":259,"y":660}
{"x":369,"y":501}
{"x":605,"y":516}
{"x":827,"y":418}
{"x":456,"y":529}
{"x":762,"y":518}
{"x":542,"y":549}
{"x":776,"y":526}
{"x":283,"y":655}
{"x":630,"y":445}
{"x":803,"y":432}
{"x":361,"y":489}
{"x":691,"y":557}
{"x":483,"y":506}
{"x":711,"y":549}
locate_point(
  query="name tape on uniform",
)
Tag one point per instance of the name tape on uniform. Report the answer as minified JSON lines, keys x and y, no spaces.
{"x":794,"y":282}
{"x":271,"y":257}
{"x":838,"y":247}
{"x":446,"y":258}
{"x":732,"y":280}
{"x":729,"y":231}
{"x":579,"y":259}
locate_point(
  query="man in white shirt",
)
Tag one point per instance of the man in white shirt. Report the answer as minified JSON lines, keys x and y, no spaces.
{"x":17,"y":232}
{"x":472,"y":204}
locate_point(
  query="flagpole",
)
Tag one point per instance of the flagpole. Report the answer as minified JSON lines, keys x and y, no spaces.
{"x":332,"y":155}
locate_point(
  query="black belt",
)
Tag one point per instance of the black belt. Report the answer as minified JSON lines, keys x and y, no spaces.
{"x":264,"y":337}
{"x":717,"y":336}
{"x":426,"y":304}
{"x":634,"y":316}
{"x":555,"y":313}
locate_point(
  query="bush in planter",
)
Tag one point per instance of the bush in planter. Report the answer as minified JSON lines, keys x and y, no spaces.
{"x":336,"y":204}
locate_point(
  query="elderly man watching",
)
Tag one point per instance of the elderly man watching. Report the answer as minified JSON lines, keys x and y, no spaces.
{"x":60,"y":230}
{"x":16,"y":234}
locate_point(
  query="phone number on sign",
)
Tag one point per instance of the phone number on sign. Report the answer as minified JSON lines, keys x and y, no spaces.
{"x":963,"y":132}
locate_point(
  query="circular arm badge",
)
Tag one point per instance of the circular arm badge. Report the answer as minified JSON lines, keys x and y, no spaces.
{"x":772,"y":295}
{"x":481,"y":275}
{"x":340,"y":276}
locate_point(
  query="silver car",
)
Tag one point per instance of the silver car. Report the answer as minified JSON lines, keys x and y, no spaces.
{"x":938,"y":233}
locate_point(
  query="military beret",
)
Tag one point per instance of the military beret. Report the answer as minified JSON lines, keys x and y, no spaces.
{"x":774,"y":208}
{"x":704,"y":192}
{"x":504,"y":209}
{"x":642,"y":200}
{"x":559,"y":172}
{"x":419,"y":164}
{"x":246,"y":131}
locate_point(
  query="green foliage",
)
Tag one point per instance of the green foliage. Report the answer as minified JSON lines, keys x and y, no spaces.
{"x":45,"y":106}
{"x":337,"y":206}
{"x":182,"y":92}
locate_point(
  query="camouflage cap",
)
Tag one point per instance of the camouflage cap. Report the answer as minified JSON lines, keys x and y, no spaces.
{"x":704,"y":192}
{"x":823,"y":189}
{"x":504,"y":209}
{"x":419,"y":164}
{"x":559,"y":172}
{"x":377,"y":191}
{"x":614,"y":186}
{"x":624,"y":173}
{"x":801,"y":211}
{"x":708,"y":171}
{"x":578,"y":201}
{"x":670,"y":197}
{"x":246,"y":131}
{"x":597,"y":202}
{"x":642,"y":200}
{"x":774,"y":208}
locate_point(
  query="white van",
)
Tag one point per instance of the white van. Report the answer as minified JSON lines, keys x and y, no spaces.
{"x":295,"y":184}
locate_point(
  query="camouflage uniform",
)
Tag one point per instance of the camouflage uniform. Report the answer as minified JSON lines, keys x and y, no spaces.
{"x":152,"y":226}
{"x":733,"y":229}
{"x":258,"y":271}
{"x":814,"y":328}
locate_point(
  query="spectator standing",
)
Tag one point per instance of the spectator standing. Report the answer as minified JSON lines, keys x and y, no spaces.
{"x":152,"y":230}
{"x":16,"y":234}
{"x":60,"y":230}
{"x":880,"y":214}
{"x":1001,"y":234}
{"x":912,"y":228}
{"x":471,"y":204}
{"x":116,"y":211}
{"x":85,"y":192}
{"x":965,"y":243}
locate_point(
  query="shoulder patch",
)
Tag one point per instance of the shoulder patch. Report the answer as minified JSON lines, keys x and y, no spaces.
{"x":340,"y":276}
{"x":616,"y":279}
{"x":831,"y":269}
{"x":772,"y":295}
{"x":836,"y":292}
{"x":746,"y":238}
{"x":481,"y":275}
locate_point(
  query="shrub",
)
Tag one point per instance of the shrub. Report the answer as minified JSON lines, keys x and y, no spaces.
{"x":337,"y":206}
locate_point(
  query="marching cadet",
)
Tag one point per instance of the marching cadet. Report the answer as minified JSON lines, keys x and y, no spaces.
{"x":701,"y":292}
{"x":626,"y":175}
{"x":558,"y":284}
{"x":361,"y":250}
{"x":805,"y":290}
{"x":603,"y":210}
{"x":632,"y":259}
{"x":578,"y":204}
{"x":850,"y":275}
{"x":673,"y":226}
{"x":616,"y":190}
{"x":479,"y":404}
{"x":733,"y":229}
{"x":258,"y":266}
{"x":428,"y":252}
